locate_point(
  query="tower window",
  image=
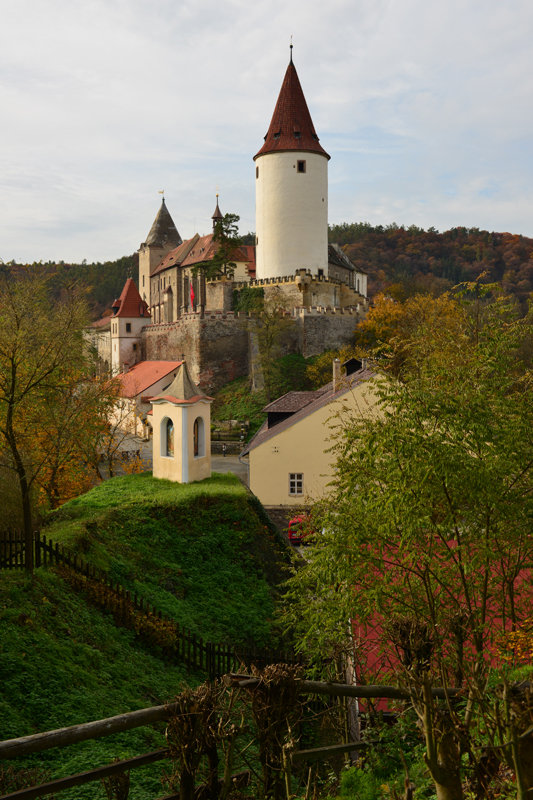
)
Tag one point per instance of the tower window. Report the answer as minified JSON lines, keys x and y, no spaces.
{"x":128,"y":327}
{"x":257,"y":172}
{"x":301,"y":166}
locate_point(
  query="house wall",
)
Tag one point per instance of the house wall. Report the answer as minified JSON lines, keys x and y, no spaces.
{"x":301,"y":448}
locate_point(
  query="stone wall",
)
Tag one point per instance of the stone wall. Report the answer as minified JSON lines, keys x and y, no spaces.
{"x":216,"y":347}
{"x":321,"y":330}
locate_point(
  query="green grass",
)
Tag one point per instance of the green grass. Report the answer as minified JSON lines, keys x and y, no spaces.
{"x":203,"y":553}
{"x":63,"y":663}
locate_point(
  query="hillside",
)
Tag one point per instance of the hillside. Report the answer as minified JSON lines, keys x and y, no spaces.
{"x":404,"y":261}
{"x":203,"y":553}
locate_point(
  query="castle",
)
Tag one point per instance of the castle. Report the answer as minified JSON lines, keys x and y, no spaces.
{"x":176,"y":313}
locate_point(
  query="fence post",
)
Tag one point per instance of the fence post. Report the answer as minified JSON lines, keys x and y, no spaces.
{"x":37,"y":548}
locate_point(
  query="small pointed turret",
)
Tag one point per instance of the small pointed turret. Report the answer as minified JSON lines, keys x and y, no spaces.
{"x":217,"y":215}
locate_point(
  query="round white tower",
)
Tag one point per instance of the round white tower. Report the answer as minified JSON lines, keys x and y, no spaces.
{"x":291,"y":172}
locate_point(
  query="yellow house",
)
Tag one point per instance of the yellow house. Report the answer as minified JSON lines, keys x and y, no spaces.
{"x":181,"y":422}
{"x":289,"y":462}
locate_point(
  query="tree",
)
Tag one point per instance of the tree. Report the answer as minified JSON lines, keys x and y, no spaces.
{"x":227,"y":240}
{"x":426,"y":543}
{"x":49,"y":408}
{"x":273,"y":326}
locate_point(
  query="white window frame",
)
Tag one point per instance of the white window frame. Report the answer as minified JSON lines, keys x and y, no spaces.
{"x":296,"y":484}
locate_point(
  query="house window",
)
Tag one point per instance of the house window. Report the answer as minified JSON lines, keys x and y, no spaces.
{"x":199,"y":437}
{"x":296,"y":483}
{"x":301,"y":166}
{"x":167,"y":438}
{"x":128,"y":327}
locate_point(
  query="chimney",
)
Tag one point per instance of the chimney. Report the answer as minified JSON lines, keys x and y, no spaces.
{"x":336,"y":374}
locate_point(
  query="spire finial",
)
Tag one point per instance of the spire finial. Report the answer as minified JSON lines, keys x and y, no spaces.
{"x":291,"y":48}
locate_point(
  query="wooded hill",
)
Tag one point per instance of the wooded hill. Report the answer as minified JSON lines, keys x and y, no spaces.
{"x":406,"y":261}
{"x":399,"y":261}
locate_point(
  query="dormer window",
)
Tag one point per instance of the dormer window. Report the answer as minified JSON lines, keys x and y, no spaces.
{"x":297,"y":134}
{"x":277,"y":135}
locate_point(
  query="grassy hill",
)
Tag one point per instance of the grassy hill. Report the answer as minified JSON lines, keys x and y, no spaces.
{"x":203,"y":553}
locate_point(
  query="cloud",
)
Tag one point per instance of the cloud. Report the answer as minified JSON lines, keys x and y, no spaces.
{"x":425,"y":109}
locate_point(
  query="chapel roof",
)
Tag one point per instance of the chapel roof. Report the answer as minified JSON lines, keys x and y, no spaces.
{"x":182,"y":389}
{"x":130,"y":303}
{"x":291,"y":127}
{"x":163,"y":231}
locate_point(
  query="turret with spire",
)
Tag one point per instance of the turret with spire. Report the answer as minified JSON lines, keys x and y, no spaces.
{"x":217,"y":215}
{"x":291,"y":189}
{"x":162,"y":238}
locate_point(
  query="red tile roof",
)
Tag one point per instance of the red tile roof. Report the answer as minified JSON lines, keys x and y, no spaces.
{"x":143,"y":375}
{"x":200,"y":249}
{"x":130,"y":304}
{"x":291,"y":127}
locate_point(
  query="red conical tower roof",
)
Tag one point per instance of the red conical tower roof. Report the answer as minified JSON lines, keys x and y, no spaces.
{"x":291,"y":127}
{"x":130,"y":303}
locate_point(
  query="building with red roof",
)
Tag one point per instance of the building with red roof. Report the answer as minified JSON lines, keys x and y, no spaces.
{"x":137,"y":386}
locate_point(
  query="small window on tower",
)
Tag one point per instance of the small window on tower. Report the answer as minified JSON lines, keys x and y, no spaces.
{"x":134,"y":347}
{"x":128,"y":327}
{"x":257,"y":172}
{"x":301,"y":166}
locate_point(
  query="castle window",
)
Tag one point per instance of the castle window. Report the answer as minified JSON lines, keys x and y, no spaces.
{"x":296,"y":483}
{"x":128,"y":327}
{"x":301,"y":166}
{"x":143,"y":280}
{"x":199,"y":437}
{"x":134,"y":347}
{"x":257,"y":172}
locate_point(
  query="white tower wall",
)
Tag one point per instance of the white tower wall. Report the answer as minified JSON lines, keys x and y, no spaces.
{"x":291,"y":214}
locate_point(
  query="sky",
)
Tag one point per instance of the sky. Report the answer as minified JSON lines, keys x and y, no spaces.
{"x":425,"y":107}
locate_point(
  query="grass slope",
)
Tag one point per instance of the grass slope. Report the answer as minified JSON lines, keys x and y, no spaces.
{"x":203,"y":553}
{"x":62,"y":663}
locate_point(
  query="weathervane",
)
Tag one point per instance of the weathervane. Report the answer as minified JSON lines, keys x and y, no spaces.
{"x":291,"y":48}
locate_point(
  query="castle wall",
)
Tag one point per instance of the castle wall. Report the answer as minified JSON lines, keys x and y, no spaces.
{"x":215,"y":346}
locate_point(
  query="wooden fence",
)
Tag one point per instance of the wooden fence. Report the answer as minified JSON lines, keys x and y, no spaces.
{"x":172,"y":640}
